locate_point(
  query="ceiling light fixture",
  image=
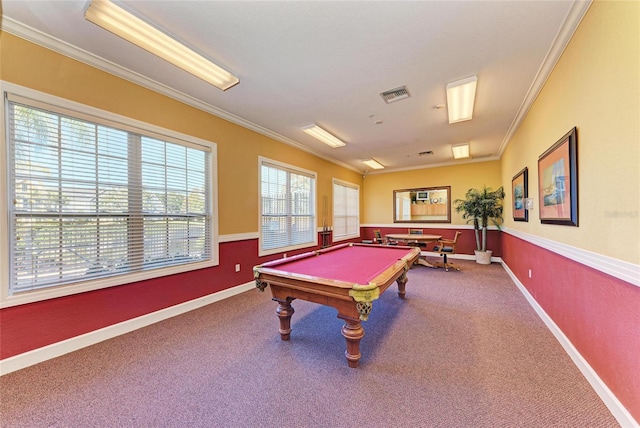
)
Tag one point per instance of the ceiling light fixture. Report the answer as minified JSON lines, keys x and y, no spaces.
{"x":460,"y":151}
{"x":461,"y":95}
{"x":316,"y":132}
{"x":373,"y":164}
{"x":133,"y":29}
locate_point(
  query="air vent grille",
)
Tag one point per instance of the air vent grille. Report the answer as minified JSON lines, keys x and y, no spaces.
{"x":397,"y":94}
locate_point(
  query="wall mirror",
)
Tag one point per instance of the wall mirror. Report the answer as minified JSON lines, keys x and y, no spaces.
{"x":422,"y":205}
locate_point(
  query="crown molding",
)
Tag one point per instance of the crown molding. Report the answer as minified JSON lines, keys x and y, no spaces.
{"x":52,"y":43}
{"x":573,"y":19}
{"x":574,"y":16}
{"x":434,"y":165}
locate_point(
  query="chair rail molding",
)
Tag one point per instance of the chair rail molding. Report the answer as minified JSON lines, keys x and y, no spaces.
{"x":233,"y":237}
{"x":422,"y":226}
{"x":616,"y":268}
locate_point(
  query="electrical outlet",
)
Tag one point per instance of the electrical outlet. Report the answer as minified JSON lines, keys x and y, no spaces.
{"x":284,"y":256}
{"x":238,"y":267}
{"x":529,"y":273}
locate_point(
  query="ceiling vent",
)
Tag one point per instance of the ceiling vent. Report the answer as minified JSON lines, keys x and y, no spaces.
{"x":428,"y":152}
{"x":397,"y":94}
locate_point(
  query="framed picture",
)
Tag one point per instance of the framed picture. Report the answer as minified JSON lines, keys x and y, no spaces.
{"x":558,"y":182}
{"x":519,"y":193}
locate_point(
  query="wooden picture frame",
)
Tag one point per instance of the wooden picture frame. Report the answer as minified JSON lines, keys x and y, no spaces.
{"x":519,"y":194}
{"x":558,"y":182}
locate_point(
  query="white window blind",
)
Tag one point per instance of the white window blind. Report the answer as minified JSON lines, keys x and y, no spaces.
{"x":346,"y":210}
{"x":92,"y":200}
{"x":287,"y":206}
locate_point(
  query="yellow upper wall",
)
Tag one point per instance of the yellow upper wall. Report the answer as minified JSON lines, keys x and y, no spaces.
{"x":26,"y":64}
{"x":378,"y":188}
{"x":595,"y":87}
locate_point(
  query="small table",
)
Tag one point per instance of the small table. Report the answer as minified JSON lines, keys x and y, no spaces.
{"x":408,"y":237}
{"x":348,"y":277}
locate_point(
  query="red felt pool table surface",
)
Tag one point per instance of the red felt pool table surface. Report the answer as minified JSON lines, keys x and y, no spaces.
{"x":356,"y":264}
{"x":348,"y":277}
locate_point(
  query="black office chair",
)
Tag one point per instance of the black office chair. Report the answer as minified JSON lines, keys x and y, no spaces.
{"x":445,"y":247}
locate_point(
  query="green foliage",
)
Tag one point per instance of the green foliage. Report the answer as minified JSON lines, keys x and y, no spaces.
{"x":481,"y":207}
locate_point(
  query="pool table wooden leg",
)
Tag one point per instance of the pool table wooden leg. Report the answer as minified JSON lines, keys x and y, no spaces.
{"x":353,"y":333}
{"x":284,"y":312}
{"x":402,"y":282}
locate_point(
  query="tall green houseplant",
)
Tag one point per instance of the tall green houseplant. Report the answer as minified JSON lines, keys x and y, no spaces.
{"x":481,"y":207}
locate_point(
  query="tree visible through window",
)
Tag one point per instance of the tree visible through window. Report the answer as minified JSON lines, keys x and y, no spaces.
{"x":90,"y":200}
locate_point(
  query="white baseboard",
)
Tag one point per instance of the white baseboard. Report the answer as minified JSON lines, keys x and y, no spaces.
{"x":39,"y":355}
{"x":616,"y":408}
{"x":58,"y":349}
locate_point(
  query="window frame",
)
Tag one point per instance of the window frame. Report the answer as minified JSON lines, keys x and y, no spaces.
{"x":314,"y":243}
{"x":338,"y":182}
{"x":80,"y":111}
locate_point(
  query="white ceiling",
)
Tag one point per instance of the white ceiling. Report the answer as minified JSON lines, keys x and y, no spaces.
{"x":327,"y":62}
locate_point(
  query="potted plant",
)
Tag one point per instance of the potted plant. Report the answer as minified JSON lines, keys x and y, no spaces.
{"x":481,"y":207}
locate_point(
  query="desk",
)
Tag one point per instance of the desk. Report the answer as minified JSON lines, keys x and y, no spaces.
{"x":408,"y":237}
{"x":348,"y":277}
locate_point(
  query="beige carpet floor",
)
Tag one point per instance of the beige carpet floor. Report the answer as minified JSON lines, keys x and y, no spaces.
{"x":464,"y":349}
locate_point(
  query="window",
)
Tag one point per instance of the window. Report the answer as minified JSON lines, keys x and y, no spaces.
{"x":287,"y":207}
{"x":346,"y":210}
{"x":93,"y":201}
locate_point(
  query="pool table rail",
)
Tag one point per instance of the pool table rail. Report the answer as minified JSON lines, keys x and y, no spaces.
{"x":352,"y":300}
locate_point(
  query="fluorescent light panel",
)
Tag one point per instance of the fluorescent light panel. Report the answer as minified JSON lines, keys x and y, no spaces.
{"x":122,"y":23}
{"x":373,"y":164}
{"x":460,"y":151}
{"x":461,"y":96}
{"x":316,"y":132}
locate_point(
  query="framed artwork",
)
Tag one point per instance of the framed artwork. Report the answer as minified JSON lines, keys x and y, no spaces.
{"x":519,"y":193}
{"x":558,"y":182}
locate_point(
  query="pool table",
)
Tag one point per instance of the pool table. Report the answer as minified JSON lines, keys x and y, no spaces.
{"x":348,"y":277}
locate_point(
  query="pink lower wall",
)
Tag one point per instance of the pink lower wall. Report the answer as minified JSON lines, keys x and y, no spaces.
{"x":466,"y":242}
{"x":598,"y":313}
{"x":31,"y":326}
{"x":34,"y":325}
